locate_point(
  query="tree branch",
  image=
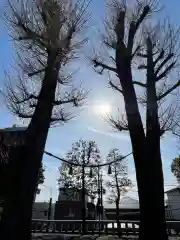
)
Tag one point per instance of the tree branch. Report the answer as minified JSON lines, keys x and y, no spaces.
{"x":142,"y":55}
{"x":161,"y":55}
{"x":60,"y":102}
{"x":139,"y":83}
{"x":36,"y":72}
{"x":22,"y":115}
{"x":115,"y":87}
{"x":140,"y":67}
{"x":119,"y":28}
{"x":168,"y":91}
{"x":166,"y":60}
{"x":76,"y":96}
{"x":136,"y":51}
{"x":32,"y":96}
{"x":103,"y":66}
{"x":30,"y":35}
{"x":165,"y":72}
{"x":134,"y":27}
{"x":118,"y":124}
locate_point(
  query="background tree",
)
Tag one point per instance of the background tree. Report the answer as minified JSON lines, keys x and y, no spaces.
{"x":41,"y":179}
{"x":175,"y":168}
{"x":118,"y":182}
{"x":82,"y":152}
{"x":47,"y":36}
{"x":130,"y":41}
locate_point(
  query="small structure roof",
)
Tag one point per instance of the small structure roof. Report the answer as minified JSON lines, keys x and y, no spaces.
{"x":173,"y":189}
{"x":126,"y":203}
{"x":12,"y":136}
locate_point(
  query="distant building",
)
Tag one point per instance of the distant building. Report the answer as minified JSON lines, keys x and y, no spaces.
{"x":129,"y":209}
{"x":173,"y":203}
{"x":12,"y":136}
{"x":69,"y":206}
{"x":40,"y":210}
{"x":9,"y":139}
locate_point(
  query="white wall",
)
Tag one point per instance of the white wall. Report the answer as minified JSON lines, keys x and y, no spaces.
{"x":173,"y":199}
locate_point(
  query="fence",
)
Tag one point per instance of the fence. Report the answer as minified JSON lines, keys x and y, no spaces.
{"x":106,"y":227}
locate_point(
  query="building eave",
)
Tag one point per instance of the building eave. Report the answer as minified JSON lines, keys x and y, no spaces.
{"x":173,"y":189}
{"x":13,"y":129}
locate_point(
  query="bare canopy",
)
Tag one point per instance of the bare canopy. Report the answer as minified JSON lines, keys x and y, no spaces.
{"x":34,"y":31}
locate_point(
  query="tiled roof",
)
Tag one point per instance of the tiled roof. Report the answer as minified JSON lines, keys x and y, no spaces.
{"x":173,"y":189}
{"x":12,"y":136}
{"x":13,"y":129}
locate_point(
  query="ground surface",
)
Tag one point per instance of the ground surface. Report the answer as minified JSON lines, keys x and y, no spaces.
{"x":88,"y":237}
{"x":72,"y":237}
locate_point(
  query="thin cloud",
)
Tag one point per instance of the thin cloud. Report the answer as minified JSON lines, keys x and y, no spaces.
{"x":112,"y":135}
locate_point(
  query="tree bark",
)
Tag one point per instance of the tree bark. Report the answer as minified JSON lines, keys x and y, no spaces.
{"x":148,"y":167}
{"x":17,"y":213}
{"x":152,"y":210}
{"x":153,"y":169}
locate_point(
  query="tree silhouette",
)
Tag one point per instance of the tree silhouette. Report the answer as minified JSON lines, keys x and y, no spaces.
{"x":81,"y":150}
{"x":131,"y":42}
{"x":47,"y":35}
{"x":175,"y":168}
{"x":118,"y":183}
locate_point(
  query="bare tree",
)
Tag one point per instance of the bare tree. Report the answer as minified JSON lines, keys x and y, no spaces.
{"x":131,"y":41}
{"x":48,"y":35}
{"x":119,"y":183}
{"x":22,"y":94}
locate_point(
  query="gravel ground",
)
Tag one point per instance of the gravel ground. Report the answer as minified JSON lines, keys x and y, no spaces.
{"x":73,"y":237}
{"x":88,"y":237}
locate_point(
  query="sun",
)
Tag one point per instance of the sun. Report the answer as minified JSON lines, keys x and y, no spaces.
{"x":102,"y":109}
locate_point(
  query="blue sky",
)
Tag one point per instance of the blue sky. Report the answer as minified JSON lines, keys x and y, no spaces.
{"x":88,"y":125}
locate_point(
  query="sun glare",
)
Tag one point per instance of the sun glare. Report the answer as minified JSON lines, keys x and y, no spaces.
{"x":102,"y":109}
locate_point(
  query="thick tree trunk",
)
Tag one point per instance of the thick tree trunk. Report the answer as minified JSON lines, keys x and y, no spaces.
{"x":151,"y":192}
{"x":152,"y":211}
{"x":148,"y":169}
{"x":153,"y":168}
{"x":17,"y":213}
{"x":149,"y":176}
